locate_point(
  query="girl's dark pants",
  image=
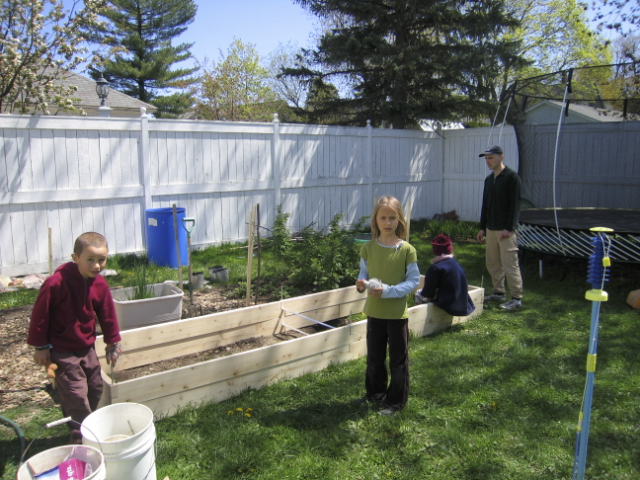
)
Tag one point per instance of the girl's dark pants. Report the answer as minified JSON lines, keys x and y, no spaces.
{"x":395,"y":333}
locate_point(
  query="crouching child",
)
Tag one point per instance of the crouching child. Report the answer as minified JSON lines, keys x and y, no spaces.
{"x":445,"y":283}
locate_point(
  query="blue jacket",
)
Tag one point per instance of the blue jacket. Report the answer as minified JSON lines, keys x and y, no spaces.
{"x":446,"y":283}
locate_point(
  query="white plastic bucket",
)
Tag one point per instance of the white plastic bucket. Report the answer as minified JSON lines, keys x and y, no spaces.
{"x":125,"y":434}
{"x":53,"y":457}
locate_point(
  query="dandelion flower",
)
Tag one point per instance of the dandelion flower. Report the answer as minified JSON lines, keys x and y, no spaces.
{"x":248,"y":415}
{"x":249,"y":409}
{"x":231,"y":412}
{"x":239,"y":410}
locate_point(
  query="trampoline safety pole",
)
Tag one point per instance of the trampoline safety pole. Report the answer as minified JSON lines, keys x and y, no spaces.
{"x":599,"y":261}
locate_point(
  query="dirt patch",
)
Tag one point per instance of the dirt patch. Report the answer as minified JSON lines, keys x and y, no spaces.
{"x":212,"y":299}
{"x":21,"y":381}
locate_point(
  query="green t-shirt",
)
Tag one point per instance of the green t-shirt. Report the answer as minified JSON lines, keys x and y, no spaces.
{"x":388,"y":264}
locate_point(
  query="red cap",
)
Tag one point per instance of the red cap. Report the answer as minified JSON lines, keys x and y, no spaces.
{"x":442,"y":245}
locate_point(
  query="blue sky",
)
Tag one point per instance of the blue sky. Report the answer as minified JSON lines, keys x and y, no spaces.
{"x":263,"y":23}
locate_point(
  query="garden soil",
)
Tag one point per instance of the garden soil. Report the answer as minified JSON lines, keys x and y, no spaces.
{"x":22,"y":384}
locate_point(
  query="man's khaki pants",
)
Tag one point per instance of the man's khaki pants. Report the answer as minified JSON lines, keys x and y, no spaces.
{"x":502,"y":260}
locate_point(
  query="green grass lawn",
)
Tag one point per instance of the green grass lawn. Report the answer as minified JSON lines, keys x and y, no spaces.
{"x":495,"y":398}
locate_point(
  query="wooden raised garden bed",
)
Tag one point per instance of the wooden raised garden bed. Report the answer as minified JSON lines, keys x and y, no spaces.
{"x":221,"y":378}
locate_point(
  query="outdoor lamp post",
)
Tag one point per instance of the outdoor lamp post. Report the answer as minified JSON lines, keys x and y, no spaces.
{"x":102,"y":89}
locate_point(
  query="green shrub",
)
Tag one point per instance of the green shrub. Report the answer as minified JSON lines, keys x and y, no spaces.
{"x":280,"y":243}
{"x":454,"y":229}
{"x":315,"y":261}
{"x":324,"y":262}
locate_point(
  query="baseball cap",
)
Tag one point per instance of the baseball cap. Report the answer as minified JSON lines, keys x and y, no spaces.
{"x":495,"y":150}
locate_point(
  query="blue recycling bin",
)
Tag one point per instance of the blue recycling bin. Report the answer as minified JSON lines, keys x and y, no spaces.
{"x":161,"y":237}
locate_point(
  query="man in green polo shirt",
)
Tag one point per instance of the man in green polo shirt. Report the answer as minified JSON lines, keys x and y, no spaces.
{"x":498,"y":222}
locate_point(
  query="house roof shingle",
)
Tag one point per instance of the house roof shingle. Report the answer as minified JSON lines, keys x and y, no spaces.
{"x":89,"y":99}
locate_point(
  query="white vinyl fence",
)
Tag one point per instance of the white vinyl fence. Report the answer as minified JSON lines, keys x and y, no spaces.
{"x":100,"y":174}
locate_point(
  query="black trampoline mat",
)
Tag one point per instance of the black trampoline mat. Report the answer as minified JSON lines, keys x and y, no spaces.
{"x":618,"y":219}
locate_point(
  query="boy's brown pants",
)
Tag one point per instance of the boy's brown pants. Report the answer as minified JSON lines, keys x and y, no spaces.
{"x":79,"y":385}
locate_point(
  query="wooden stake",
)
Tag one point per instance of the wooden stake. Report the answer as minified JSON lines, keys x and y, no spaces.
{"x":252,"y":227}
{"x":408,"y":218}
{"x":50,"y":253}
{"x":259,"y":250}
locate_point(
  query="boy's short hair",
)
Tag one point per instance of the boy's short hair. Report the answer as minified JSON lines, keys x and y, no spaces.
{"x":393,"y":203}
{"x":89,"y":239}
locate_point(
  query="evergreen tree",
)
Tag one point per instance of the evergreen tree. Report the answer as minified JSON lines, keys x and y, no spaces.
{"x":413,"y":59}
{"x":139,"y":36}
{"x":323,"y":105}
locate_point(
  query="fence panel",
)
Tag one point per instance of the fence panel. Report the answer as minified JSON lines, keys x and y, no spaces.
{"x":82,"y":174}
{"x":465,"y":171}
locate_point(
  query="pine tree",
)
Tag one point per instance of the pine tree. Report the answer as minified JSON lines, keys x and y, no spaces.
{"x":413,"y":59}
{"x":139,"y":36}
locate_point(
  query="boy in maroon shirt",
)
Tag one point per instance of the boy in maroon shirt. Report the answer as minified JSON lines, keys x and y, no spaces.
{"x":63,"y":328}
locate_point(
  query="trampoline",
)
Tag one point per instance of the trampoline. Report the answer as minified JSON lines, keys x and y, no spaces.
{"x":537,"y":231}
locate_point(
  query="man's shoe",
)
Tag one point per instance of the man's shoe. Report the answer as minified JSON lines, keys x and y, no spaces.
{"x":512,"y":304}
{"x":388,"y":410}
{"x":495,"y":297}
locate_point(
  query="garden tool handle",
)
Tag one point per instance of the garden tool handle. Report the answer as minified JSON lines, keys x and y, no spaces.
{"x":192,"y":223}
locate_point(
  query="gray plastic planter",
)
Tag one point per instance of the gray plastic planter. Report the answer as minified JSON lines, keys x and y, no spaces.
{"x":166,"y":306}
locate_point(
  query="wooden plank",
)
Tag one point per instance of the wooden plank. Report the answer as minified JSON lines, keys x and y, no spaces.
{"x":180,"y":347}
{"x":226,"y":368}
{"x":184,"y":337}
{"x":331,"y":297}
{"x":222,"y":321}
{"x":168,"y":350}
{"x":221,"y":378}
{"x":428,"y":319}
{"x":169,"y":405}
{"x":199,"y":326}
